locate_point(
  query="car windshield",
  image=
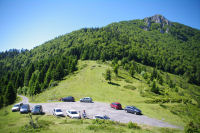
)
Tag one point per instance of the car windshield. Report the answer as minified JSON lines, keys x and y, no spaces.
{"x":118,"y":104}
{"x":36,"y":109}
{"x":58,"y":110}
{"x":24,"y":107}
{"x":16,"y":105}
{"x":74,"y":112}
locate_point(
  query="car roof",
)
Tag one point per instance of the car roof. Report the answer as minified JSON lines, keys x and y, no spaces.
{"x":68,"y":96}
{"x":25,"y":105}
{"x":38,"y":106}
{"x":131,"y":106}
{"x":57,"y":108}
{"x":72,"y":110}
{"x":117,"y":103}
{"x":87,"y":97}
{"x":100,"y":115}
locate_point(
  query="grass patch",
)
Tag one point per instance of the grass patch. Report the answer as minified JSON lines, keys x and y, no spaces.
{"x":105,"y":128}
{"x":133,"y":125}
{"x":128,"y":81}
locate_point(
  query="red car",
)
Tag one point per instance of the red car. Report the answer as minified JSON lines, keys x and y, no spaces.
{"x":116,"y":105}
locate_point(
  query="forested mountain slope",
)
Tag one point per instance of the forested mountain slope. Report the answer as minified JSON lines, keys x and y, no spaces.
{"x":153,"y":41}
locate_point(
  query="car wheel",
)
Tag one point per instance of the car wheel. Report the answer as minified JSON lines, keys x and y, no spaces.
{"x":126,"y":111}
{"x":135,"y":113}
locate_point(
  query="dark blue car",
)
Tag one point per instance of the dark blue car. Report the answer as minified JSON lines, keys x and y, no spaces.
{"x":68,"y":99}
{"x":133,"y":109}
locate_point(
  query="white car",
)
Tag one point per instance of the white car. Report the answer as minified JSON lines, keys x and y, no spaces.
{"x":16,"y":107}
{"x":57,"y":112}
{"x":104,"y":117}
{"x":73,"y":114}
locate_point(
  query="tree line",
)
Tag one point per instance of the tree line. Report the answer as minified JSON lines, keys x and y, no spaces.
{"x":35,"y":77}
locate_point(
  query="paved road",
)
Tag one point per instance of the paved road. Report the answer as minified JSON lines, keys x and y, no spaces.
{"x":99,"y":108}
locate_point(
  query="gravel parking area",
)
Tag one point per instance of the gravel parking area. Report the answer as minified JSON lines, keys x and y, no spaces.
{"x":98,"y":108}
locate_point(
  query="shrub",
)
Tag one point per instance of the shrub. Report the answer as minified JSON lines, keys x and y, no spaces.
{"x":35,"y":126}
{"x":167,"y":100}
{"x":53,"y":84}
{"x":133,"y":125}
{"x":192,"y":127}
{"x":131,"y":87}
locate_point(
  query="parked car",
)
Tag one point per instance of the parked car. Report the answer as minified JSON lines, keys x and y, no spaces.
{"x":73,"y":114}
{"x":25,"y":108}
{"x":16,"y":107}
{"x":37,"y":109}
{"x":104,"y":117}
{"x":116,"y":106}
{"x":57,"y":112}
{"x":132,"y":109}
{"x":68,"y":99}
{"x":86,"y":99}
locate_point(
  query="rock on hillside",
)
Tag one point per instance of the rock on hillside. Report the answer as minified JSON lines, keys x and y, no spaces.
{"x":163,"y":24}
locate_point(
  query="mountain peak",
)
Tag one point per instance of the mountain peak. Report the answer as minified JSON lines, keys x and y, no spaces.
{"x":160,"y":19}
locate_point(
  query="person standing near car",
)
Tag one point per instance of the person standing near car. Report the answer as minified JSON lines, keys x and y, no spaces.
{"x":84,"y":114}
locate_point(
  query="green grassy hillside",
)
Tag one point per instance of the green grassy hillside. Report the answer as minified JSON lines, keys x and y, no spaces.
{"x":89,"y":81}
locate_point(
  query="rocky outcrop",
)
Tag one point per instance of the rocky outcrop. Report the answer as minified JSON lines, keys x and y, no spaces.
{"x":157,"y":19}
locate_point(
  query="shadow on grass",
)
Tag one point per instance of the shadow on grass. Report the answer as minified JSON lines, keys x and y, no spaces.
{"x":163,"y":106}
{"x":136,"y":78}
{"x":120,"y":77}
{"x":112,"y":83}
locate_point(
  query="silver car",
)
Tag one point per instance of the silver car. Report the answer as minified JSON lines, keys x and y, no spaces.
{"x":86,"y":99}
{"x":16,"y":107}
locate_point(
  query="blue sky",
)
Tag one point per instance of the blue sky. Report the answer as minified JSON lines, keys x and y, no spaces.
{"x":29,"y":23}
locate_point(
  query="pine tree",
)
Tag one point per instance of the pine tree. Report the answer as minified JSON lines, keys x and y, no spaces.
{"x":28,"y":74}
{"x":154,"y":88}
{"x":154,"y":75}
{"x":10,"y":94}
{"x":32,"y":81}
{"x":48,"y":78}
{"x":59,"y":72}
{"x":1,"y":101}
{"x":116,"y":70}
{"x":108,"y":75}
{"x":37,"y":87}
{"x":132,"y":71}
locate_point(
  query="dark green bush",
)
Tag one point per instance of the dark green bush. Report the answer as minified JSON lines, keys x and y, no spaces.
{"x":133,"y":125}
{"x":192,"y":127}
{"x":131,"y":87}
